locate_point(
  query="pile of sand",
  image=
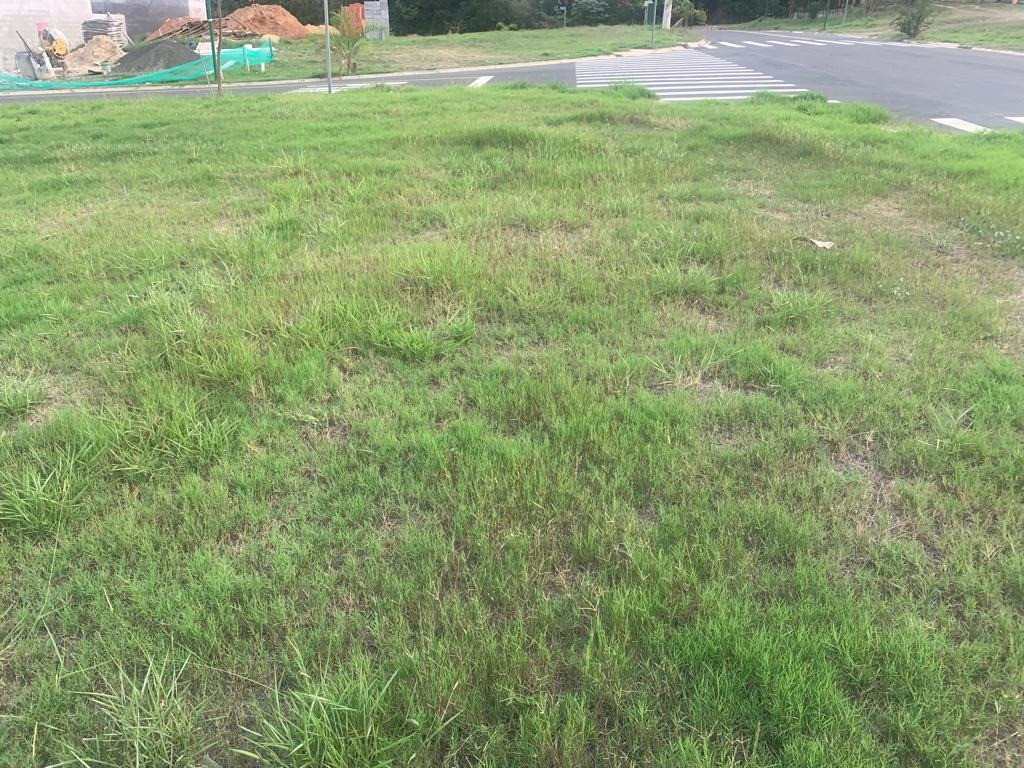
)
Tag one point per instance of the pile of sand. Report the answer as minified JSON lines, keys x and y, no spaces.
{"x":163,"y":54}
{"x":98,"y":51}
{"x":318,"y":29}
{"x":268,"y":20}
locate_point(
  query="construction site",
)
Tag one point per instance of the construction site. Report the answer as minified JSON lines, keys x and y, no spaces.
{"x":78,"y":43}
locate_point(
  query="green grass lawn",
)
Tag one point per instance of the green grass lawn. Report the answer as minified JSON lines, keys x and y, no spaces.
{"x":989,"y":25}
{"x":305,"y":58}
{"x":516,"y":427}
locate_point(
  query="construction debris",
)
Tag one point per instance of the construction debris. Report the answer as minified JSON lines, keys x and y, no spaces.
{"x":190,"y":27}
{"x":152,"y":57}
{"x":93,"y":55}
{"x":109,"y":25}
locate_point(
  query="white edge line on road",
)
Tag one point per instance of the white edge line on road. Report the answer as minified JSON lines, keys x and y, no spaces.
{"x":1016,"y":119}
{"x":960,"y":125}
{"x":481,"y":81}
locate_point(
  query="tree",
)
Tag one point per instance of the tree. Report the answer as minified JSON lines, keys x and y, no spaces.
{"x":349,"y":40}
{"x":687,"y":14}
{"x":913,"y":16}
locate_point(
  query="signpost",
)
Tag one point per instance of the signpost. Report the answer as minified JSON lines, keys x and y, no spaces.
{"x":327,"y":46}
{"x":565,"y":10}
{"x":213,"y":45}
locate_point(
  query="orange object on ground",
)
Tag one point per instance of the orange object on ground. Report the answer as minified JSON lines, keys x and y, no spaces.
{"x":357,"y":13}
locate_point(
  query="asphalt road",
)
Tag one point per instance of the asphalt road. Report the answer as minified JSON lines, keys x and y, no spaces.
{"x":947,"y":87}
{"x":920,"y":82}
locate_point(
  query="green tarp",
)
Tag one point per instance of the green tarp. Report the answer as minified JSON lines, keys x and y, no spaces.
{"x":202,"y":68}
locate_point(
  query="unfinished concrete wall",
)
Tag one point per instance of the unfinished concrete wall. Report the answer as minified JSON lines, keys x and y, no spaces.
{"x":143,"y":16}
{"x":22,"y":16}
{"x":378,"y":19}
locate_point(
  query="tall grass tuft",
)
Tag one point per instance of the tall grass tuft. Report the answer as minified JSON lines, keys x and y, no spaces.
{"x":350,"y":718}
{"x":151,"y":720}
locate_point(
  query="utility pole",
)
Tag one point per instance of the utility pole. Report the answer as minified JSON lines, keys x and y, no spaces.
{"x":327,"y":46}
{"x":213,"y":44}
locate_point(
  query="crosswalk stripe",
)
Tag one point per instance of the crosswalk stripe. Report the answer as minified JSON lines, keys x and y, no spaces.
{"x":960,"y":125}
{"x":834,"y":42}
{"x":812,"y":42}
{"x":680,"y":76}
{"x":783,"y":42}
{"x":481,"y":81}
{"x":730,"y":45}
{"x":721,"y":95}
{"x":710,"y":47}
{"x":759,"y":45}
{"x":640,"y":80}
{"x":732,"y":89}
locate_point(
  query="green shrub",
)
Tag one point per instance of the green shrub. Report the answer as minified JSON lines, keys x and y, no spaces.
{"x":913,"y":17}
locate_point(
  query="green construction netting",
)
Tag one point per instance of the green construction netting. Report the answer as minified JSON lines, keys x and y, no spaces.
{"x":202,"y":68}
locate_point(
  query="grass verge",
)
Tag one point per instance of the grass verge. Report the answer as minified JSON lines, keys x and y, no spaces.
{"x":515,"y":427}
{"x":298,"y":59}
{"x":988,"y":25}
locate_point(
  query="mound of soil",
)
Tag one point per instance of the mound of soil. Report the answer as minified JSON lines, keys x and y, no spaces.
{"x":163,"y":54}
{"x":99,"y":50}
{"x":269,"y":20}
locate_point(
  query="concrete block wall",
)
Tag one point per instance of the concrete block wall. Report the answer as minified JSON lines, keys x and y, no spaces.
{"x":378,"y":19}
{"x":22,"y":16}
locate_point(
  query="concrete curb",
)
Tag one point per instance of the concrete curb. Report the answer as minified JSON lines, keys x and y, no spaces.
{"x":356,"y":78}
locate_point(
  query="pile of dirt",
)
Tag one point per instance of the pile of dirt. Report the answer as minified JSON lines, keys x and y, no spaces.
{"x":98,"y":51}
{"x":151,"y":57}
{"x":269,"y":20}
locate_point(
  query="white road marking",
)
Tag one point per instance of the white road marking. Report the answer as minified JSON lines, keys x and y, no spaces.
{"x":730,"y":45}
{"x":783,"y":42}
{"x":759,"y":45}
{"x":1016,"y":119}
{"x":834,"y":101}
{"x":681,"y":75}
{"x":710,"y":48}
{"x":960,"y":125}
{"x":346,"y":86}
{"x":834,"y":42}
{"x":481,"y":81}
{"x":811,"y":42}
{"x":731,"y":95}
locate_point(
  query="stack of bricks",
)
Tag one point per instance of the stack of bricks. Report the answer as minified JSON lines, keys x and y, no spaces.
{"x":378,"y":19}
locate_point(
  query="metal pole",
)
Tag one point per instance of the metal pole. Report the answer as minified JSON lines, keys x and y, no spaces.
{"x":654,"y":19}
{"x":845,"y":9}
{"x":213,"y":45}
{"x":565,"y":15}
{"x":824,"y":24}
{"x":327,"y":46}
